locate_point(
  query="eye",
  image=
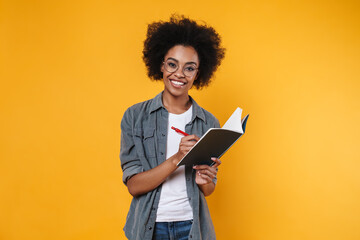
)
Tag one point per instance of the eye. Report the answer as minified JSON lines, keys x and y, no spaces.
{"x":190,"y":68}
{"x":172,"y":64}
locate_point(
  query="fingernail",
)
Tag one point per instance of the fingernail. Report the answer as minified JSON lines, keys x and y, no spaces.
{"x":213,"y":158}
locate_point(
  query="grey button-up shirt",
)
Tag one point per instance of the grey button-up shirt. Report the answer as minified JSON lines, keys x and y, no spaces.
{"x":143,"y":147}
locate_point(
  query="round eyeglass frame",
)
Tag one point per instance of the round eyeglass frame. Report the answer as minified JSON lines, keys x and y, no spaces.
{"x":177,"y":67}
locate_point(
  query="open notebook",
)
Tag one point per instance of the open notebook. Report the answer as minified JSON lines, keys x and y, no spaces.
{"x":216,"y":141}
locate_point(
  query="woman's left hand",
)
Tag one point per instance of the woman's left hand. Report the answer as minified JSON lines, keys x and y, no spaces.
{"x":205,"y":174}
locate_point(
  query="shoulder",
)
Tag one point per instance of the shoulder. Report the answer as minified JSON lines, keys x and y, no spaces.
{"x":138,"y":108}
{"x":208,"y":115}
{"x":140,"y":111}
{"x":211,"y":119}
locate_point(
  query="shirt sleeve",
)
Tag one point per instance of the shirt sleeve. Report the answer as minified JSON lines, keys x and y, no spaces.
{"x":130,"y":162}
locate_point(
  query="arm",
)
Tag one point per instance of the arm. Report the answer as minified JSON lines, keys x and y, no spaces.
{"x":207,"y":189}
{"x":205,"y":175}
{"x":144,"y":182}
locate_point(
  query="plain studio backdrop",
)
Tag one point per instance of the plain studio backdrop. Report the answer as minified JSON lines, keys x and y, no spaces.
{"x":69,"y":70}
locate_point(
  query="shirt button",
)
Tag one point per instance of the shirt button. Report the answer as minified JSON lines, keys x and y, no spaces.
{"x":161,"y":153}
{"x":189,"y":198}
{"x":150,"y":228}
{"x":163,"y":135}
{"x":190,"y":236}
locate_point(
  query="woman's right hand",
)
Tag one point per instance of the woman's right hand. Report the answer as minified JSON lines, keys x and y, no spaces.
{"x":186,"y":144}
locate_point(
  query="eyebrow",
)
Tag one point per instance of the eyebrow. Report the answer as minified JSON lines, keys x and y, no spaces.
{"x":178,"y":61}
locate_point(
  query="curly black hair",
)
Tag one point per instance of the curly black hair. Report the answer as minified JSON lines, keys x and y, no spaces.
{"x":162,"y":36}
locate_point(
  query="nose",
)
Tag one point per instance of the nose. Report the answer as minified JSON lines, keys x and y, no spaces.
{"x":179,"y":73}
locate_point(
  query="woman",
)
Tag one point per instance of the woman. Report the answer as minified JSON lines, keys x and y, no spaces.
{"x":168,"y":201}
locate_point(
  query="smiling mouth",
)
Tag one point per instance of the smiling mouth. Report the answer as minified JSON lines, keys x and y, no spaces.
{"x":177,"y":83}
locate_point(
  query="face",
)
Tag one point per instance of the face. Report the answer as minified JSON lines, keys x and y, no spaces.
{"x":180,"y":69}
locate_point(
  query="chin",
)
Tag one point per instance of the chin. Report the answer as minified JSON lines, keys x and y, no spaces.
{"x":178,"y":93}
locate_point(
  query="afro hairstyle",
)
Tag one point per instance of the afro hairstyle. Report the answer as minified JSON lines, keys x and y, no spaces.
{"x":179,"y":30}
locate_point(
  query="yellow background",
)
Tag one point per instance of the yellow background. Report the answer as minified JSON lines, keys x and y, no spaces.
{"x":69,"y":69}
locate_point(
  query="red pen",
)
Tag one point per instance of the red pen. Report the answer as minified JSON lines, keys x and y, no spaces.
{"x":179,"y":131}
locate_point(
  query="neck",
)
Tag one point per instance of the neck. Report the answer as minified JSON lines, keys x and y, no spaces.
{"x":176,"y":104}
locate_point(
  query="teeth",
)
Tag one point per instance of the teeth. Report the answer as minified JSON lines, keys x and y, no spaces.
{"x":177,"y":83}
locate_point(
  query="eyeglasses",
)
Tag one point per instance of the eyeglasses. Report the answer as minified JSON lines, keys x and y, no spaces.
{"x":189,"y":69}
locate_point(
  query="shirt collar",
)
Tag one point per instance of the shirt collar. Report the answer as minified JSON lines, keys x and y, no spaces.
{"x":156,"y":103}
{"x":197,"y":110}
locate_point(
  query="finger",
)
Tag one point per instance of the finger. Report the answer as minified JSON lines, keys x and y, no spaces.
{"x":205,"y":169}
{"x":205,"y":177}
{"x":185,"y":149}
{"x":211,"y":174}
{"x":217,"y":162}
{"x":191,"y":137}
{"x":202,"y":167}
{"x":188,"y":143}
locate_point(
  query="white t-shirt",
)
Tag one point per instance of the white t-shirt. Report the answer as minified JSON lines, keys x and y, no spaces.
{"x":174,"y":202}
